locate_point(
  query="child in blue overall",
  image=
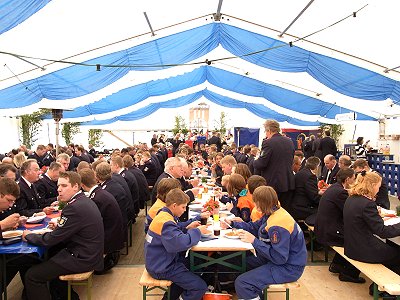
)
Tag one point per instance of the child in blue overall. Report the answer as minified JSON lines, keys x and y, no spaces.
{"x":279,"y":244}
{"x":163,"y":242}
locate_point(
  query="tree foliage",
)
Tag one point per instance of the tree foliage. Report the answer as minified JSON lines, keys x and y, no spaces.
{"x":180,"y":125}
{"x":30,"y":126}
{"x":69,"y":130}
{"x":221,"y":123}
{"x":335,"y":129}
{"x":95,"y":136}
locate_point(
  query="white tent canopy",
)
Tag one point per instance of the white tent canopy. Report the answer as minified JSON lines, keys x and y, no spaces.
{"x":63,"y":29}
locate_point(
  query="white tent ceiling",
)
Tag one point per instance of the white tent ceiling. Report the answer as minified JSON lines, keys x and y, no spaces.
{"x":65,"y":28}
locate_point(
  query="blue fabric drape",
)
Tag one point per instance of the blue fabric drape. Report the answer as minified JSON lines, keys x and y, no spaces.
{"x":14,"y":12}
{"x":257,"y":109}
{"x":223,"y":79}
{"x":189,"y":45}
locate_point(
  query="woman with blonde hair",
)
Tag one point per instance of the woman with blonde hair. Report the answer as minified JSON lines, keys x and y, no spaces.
{"x":19,"y":159}
{"x":362,"y":223}
{"x":243,"y":170}
{"x":279,"y":244}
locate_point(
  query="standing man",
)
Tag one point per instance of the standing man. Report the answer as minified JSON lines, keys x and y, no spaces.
{"x":80,"y":229}
{"x":215,"y":140}
{"x":39,"y":154}
{"x":275,"y":162}
{"x":327,"y":145}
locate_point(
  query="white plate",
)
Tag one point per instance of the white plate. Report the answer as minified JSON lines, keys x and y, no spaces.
{"x":196,"y":207}
{"x":33,"y":220}
{"x":11,"y":234}
{"x":232,"y":237}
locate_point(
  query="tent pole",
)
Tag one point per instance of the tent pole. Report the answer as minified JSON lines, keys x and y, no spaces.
{"x":295,"y":19}
{"x":148,"y":22}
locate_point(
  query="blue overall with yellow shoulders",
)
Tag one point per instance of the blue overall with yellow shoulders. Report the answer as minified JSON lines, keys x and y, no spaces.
{"x":164,"y":240}
{"x":281,"y":253}
{"x":156,"y":207}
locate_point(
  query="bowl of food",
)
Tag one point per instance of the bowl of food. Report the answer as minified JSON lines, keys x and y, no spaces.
{"x":11,"y":234}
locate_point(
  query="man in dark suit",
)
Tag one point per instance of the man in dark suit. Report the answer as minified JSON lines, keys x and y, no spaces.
{"x":330,"y":169}
{"x":81,"y":154}
{"x":80,"y":230}
{"x":329,"y":227}
{"x":382,"y":198}
{"x":46,"y":186}
{"x":300,"y":154}
{"x":112,"y":218}
{"x":144,"y":193}
{"x":252,"y":156}
{"x":148,"y":168}
{"x":29,"y":202}
{"x":103,"y":176}
{"x":306,"y":196}
{"x":327,"y":145}
{"x":174,"y":169}
{"x":117,"y":167}
{"x":275,"y":162}
{"x":39,"y":155}
{"x":92,"y":151}
{"x":215,"y":140}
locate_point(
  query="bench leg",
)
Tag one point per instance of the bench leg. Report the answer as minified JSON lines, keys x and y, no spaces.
{"x":69,"y":290}
{"x":89,"y":287}
{"x":130,"y":235}
{"x":287,"y":294}
{"x":169,"y":293}
{"x":312,"y":245}
{"x":376,"y":292}
{"x":266,"y":293}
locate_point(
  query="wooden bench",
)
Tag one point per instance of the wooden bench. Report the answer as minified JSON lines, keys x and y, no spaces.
{"x":384,"y":279}
{"x":279,"y":288}
{"x":150,"y":192}
{"x":312,"y":239}
{"x":149,"y":284}
{"x":84,"y":279}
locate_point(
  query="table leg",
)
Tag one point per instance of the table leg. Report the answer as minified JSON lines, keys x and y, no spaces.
{"x":4,"y":271}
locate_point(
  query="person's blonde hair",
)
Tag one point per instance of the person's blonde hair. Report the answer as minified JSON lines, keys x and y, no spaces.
{"x":364,"y":184}
{"x":265,"y":198}
{"x":19,"y":159}
{"x":236,"y":184}
{"x":228,"y":159}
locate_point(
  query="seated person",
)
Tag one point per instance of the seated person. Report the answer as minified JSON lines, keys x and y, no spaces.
{"x":163,"y":243}
{"x":362,"y":222}
{"x":112,"y":218}
{"x":79,"y":229}
{"x":239,"y":200}
{"x":163,"y":187}
{"x":382,"y":198}
{"x":279,"y":243}
{"x":306,"y":196}
{"x":329,"y":224}
{"x":254,"y":182}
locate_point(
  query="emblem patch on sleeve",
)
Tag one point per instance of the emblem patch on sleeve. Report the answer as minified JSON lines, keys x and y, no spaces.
{"x":62,"y":221}
{"x":275,"y":237}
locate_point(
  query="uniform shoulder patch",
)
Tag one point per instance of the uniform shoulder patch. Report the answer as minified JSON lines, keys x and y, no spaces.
{"x":92,"y":195}
{"x":275,"y":237}
{"x":62,"y":221}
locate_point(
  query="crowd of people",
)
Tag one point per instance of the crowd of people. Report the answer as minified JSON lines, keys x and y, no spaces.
{"x":270,"y":189}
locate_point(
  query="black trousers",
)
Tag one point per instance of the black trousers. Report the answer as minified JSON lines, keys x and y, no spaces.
{"x":348,"y":268}
{"x":37,"y":277}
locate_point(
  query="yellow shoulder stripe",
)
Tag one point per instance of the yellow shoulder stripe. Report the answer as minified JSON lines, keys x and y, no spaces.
{"x":155,"y":208}
{"x":282,"y":219}
{"x":159,"y":220}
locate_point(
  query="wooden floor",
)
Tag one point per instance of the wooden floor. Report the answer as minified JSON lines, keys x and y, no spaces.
{"x":122,"y":281}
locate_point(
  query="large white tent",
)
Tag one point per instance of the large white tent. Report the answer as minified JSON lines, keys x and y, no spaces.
{"x":81,"y":31}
